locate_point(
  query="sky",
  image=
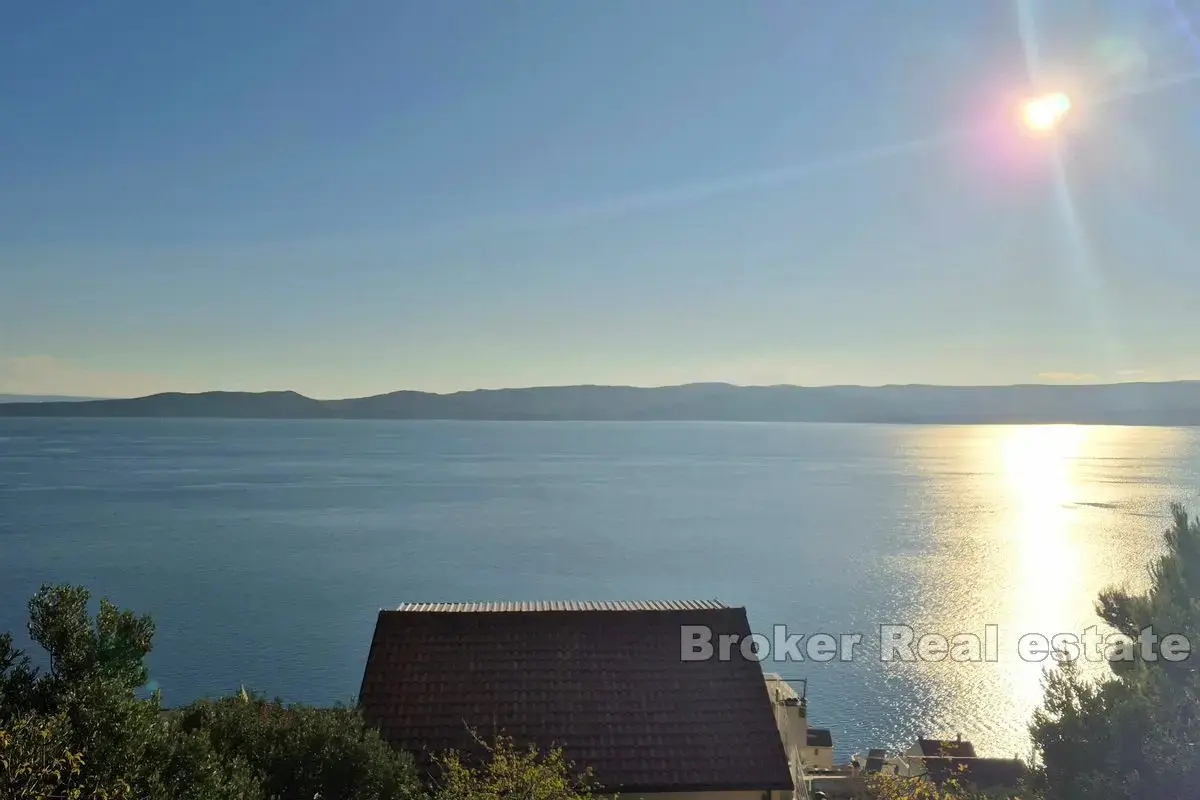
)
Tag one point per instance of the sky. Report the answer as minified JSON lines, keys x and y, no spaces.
{"x":352,"y":198}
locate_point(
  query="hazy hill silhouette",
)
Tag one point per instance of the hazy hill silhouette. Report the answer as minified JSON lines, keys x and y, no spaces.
{"x":41,"y":398}
{"x":1174,"y":403}
{"x":250,"y":405}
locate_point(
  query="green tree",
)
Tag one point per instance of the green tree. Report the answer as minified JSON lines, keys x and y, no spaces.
{"x":189,"y":768}
{"x":79,"y":728}
{"x":87,"y":696}
{"x":1136,"y":732}
{"x":508,"y":772}
{"x":18,"y":680}
{"x":297,"y":751}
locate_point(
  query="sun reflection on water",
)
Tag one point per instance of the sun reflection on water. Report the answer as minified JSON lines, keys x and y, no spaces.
{"x":1040,"y":468}
{"x":1030,"y":524}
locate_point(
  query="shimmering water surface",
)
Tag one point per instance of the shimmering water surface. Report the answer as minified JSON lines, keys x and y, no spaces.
{"x":265,"y":549}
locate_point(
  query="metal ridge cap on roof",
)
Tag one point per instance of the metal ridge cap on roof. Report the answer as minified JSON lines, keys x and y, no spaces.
{"x":567,"y":605}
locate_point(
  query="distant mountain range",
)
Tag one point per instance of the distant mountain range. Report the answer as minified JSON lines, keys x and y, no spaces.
{"x":1175,"y":403}
{"x":41,"y":398}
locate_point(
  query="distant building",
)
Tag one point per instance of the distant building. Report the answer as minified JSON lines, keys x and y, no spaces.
{"x":605,"y":681}
{"x":879,"y":761}
{"x":940,"y":748}
{"x":979,"y":773}
{"x":791,"y":717}
{"x":923,"y":749}
{"x":812,"y":747}
{"x":818,"y":751}
{"x":940,"y":760}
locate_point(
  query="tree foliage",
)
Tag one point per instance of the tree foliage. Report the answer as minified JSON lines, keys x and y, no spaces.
{"x":1136,"y":732}
{"x":509,"y":772}
{"x":36,"y":760}
{"x":301,"y":752}
{"x":86,"y":701}
{"x":79,"y":728}
{"x":881,"y":786}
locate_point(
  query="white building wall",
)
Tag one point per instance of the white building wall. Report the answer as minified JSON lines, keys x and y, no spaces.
{"x":817,"y":757}
{"x":792,"y":720}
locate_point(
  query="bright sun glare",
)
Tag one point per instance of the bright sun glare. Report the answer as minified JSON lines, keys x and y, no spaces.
{"x":1043,"y":114}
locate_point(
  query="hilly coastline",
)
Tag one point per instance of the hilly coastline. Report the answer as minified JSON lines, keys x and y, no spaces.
{"x":41,"y":398}
{"x":1162,"y":404}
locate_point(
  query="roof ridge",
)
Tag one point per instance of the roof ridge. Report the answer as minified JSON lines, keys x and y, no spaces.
{"x":565,"y":605}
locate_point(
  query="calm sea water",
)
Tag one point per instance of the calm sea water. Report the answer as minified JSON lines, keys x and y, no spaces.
{"x":265,"y":549}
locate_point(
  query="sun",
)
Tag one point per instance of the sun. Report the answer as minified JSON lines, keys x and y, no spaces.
{"x":1043,"y":114}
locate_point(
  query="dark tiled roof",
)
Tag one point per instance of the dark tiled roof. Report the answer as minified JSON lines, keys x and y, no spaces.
{"x":820,"y":737}
{"x":875,"y":760}
{"x":957,"y":748}
{"x":607,"y":685}
{"x":983,"y":773}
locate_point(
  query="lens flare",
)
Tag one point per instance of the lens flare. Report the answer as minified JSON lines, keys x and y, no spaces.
{"x":1043,"y":114}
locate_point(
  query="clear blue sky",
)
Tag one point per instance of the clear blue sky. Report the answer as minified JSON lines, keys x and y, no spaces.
{"x":351,"y":198}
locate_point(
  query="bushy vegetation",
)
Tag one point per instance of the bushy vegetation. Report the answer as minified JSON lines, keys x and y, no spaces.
{"x":79,"y":730}
{"x":297,"y":751}
{"x":881,"y":786}
{"x":508,"y":772}
{"x":35,"y":759}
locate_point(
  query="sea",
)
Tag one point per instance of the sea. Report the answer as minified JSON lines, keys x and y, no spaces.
{"x":265,"y":549}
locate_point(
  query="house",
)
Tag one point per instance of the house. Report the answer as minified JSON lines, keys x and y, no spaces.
{"x":818,"y":751}
{"x":941,"y":748}
{"x":605,"y":681}
{"x":876,"y":758}
{"x":879,"y":761}
{"x":984,"y":774}
{"x":812,"y":747}
{"x":924,"y":748}
{"x":791,"y":717}
{"x":940,"y":760}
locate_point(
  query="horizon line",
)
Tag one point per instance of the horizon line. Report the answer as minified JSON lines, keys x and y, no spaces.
{"x":61,"y":397}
